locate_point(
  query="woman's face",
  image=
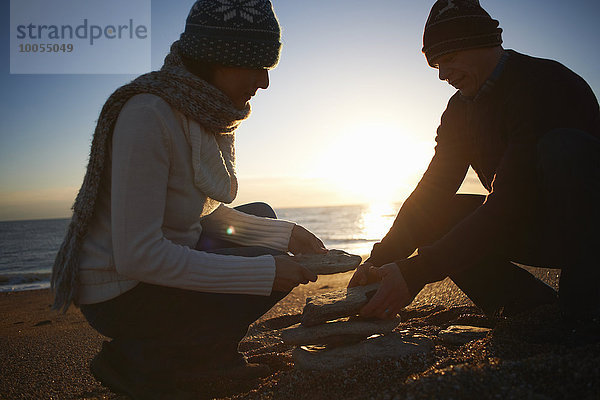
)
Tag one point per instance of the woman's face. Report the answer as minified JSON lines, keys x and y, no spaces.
{"x":239,"y":84}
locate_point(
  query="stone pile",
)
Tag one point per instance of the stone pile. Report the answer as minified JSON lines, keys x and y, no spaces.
{"x":331,"y":337}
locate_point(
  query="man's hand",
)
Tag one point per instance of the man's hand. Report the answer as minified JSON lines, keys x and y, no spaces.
{"x":365,"y":274}
{"x":289,"y":274}
{"x":391,"y":297}
{"x":302,"y":241}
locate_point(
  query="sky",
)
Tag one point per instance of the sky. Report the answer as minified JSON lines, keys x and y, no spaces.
{"x":349,"y":117}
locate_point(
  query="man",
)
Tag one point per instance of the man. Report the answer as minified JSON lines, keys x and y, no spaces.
{"x":530,"y":128}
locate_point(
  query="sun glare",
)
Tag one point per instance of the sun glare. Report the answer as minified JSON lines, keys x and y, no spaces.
{"x":377,"y":219}
{"x":374,"y":222}
{"x":374,"y":163}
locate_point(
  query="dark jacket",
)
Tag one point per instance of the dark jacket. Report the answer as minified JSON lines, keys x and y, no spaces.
{"x":497,"y":135}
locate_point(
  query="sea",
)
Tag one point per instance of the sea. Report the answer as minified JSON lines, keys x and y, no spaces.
{"x":28,"y":248}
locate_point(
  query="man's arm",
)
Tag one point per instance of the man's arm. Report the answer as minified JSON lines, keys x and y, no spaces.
{"x":419,"y":216}
{"x":466,"y":243}
{"x":534,"y":110}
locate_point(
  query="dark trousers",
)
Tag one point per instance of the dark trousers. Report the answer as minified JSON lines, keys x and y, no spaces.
{"x":158,"y":328}
{"x":562,"y":233}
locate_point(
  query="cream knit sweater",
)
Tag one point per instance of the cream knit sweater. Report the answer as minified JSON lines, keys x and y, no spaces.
{"x":149,"y":216}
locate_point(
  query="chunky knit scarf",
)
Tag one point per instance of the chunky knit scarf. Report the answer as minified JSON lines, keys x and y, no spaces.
{"x":193,"y":97}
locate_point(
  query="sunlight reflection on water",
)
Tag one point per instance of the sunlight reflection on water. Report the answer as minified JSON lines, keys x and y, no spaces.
{"x":351,"y":228}
{"x":376,"y":220}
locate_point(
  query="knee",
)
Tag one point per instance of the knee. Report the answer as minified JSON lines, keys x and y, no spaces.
{"x":461,"y":206}
{"x":553,"y":147}
{"x":563,"y":152}
{"x":258,"y":209}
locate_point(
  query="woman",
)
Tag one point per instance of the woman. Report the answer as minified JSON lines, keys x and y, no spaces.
{"x":153,"y":258}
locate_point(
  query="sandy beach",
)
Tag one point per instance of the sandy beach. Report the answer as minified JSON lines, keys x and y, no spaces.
{"x":45,"y":355}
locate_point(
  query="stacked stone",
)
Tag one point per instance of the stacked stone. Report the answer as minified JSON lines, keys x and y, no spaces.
{"x":332,"y":262}
{"x":331,"y":337}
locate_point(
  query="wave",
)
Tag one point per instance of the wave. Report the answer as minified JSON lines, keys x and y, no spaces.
{"x":350,"y":241}
{"x":24,"y":278}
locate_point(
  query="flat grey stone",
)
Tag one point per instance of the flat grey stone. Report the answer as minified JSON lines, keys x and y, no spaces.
{"x":338,"y":332}
{"x":332,"y":262}
{"x":393,"y":346}
{"x":461,"y":334}
{"x":336,"y":304}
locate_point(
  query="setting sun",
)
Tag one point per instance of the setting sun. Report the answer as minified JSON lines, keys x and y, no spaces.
{"x":373,"y":162}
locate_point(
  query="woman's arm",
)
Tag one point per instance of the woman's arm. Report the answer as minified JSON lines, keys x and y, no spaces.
{"x":140,"y":174}
{"x":247,"y":230}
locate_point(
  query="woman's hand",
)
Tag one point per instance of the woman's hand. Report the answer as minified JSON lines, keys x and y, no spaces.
{"x":289,"y":274}
{"x":302,"y":241}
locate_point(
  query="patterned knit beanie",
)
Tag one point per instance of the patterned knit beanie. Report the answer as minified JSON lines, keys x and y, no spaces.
{"x":237,"y":33}
{"x":458,"y":25}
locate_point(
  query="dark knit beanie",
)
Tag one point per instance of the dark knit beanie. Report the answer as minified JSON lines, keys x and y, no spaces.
{"x":458,"y":25}
{"x":237,"y":33}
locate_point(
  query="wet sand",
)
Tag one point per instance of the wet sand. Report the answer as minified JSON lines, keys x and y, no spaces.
{"x":45,"y":355}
